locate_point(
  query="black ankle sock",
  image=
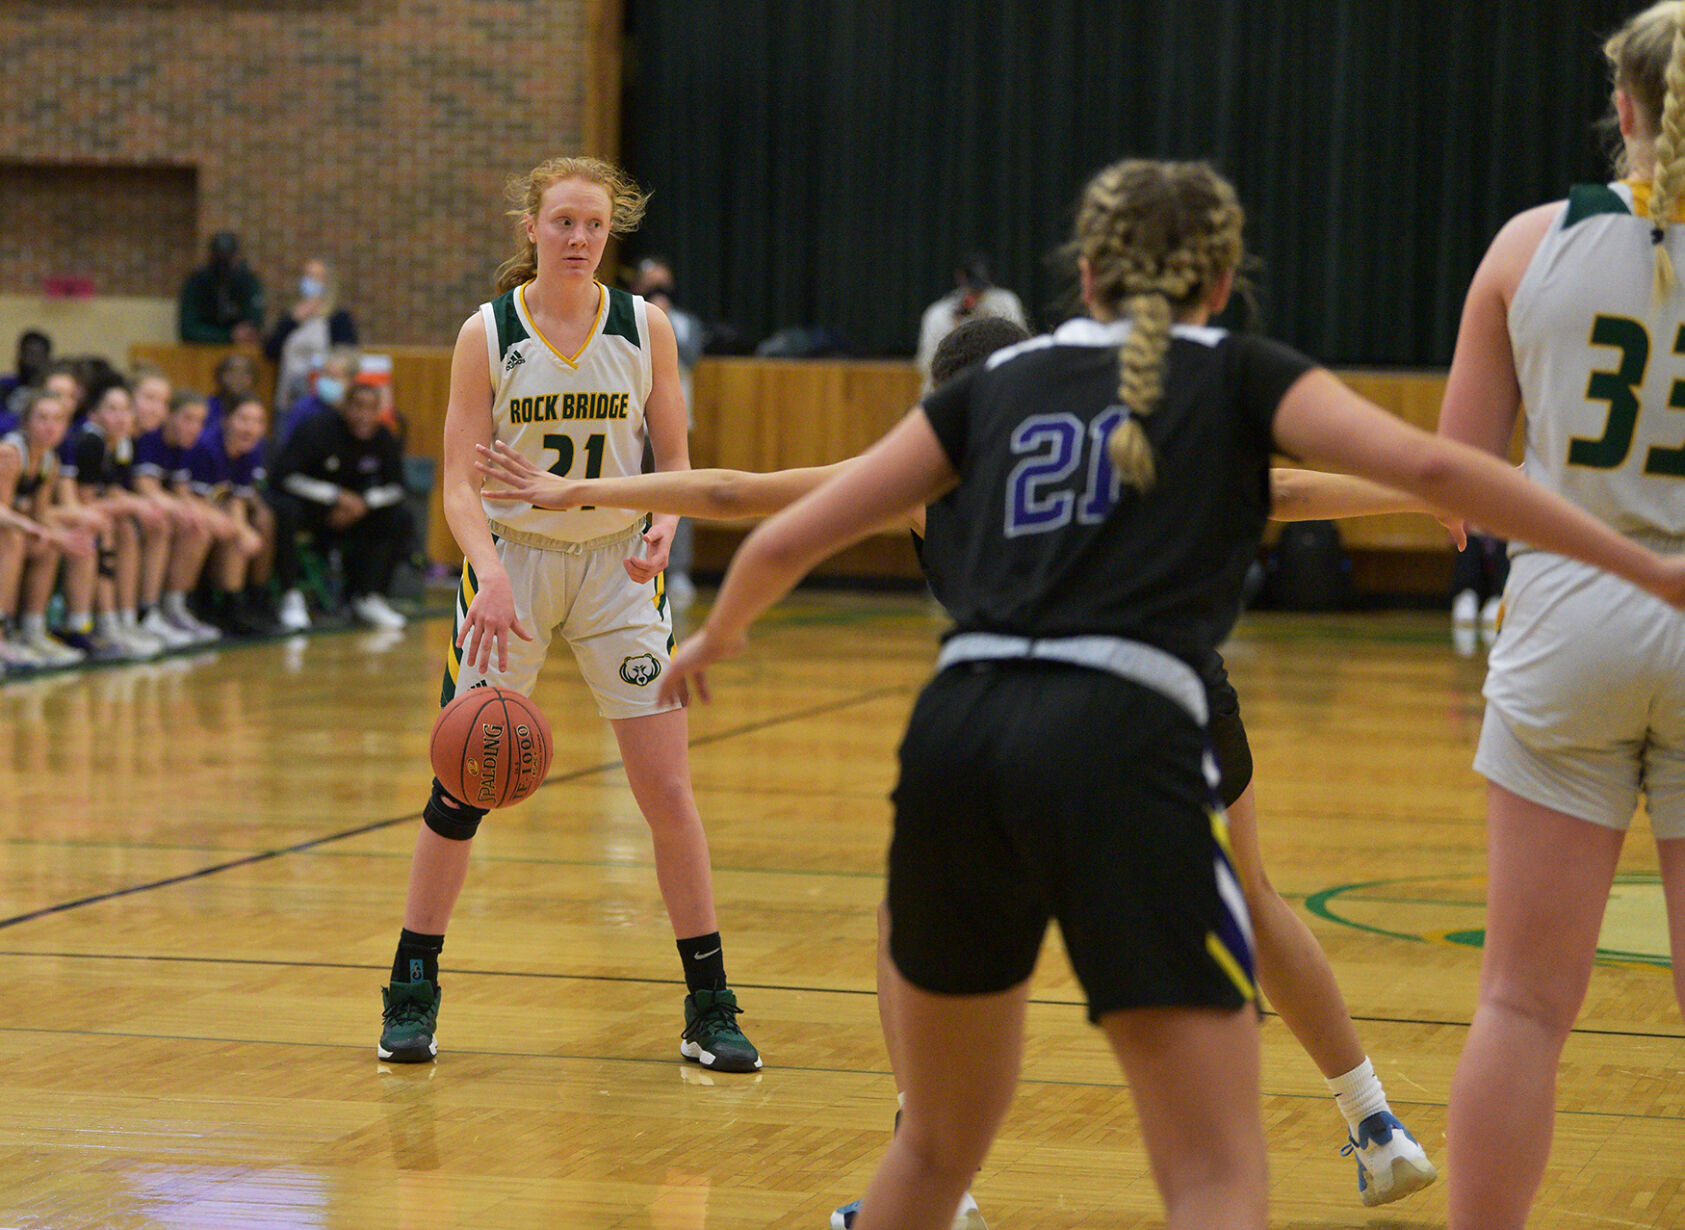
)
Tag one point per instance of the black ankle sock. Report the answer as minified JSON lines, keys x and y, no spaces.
{"x":418,"y":957}
{"x":704,"y":966}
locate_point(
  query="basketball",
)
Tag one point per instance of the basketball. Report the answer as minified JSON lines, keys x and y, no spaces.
{"x":490,"y":747}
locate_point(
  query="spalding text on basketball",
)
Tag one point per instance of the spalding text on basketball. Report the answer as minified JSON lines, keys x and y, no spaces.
{"x":491,"y":735}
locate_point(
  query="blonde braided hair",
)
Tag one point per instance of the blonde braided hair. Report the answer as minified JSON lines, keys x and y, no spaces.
{"x":526,"y":192}
{"x":1670,"y":155}
{"x":1647,"y":60}
{"x":1158,"y":237}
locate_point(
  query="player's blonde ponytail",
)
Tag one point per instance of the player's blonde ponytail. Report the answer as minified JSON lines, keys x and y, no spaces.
{"x":1670,"y":155}
{"x":1647,"y":63}
{"x":1157,"y":237}
{"x":626,"y":202}
{"x":1140,"y":385}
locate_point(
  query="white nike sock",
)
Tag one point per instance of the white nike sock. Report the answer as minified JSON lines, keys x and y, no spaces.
{"x":1358,"y":1094}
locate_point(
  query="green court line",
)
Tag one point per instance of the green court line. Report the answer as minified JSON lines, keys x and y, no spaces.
{"x":1317,"y":903}
{"x":1474,"y":937}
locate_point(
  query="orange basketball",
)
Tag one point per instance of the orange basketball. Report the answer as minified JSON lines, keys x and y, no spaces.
{"x":490,"y":747}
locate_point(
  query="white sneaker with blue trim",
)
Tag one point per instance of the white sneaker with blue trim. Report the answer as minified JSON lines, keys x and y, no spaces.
{"x":1390,"y":1164}
{"x":966,"y":1217}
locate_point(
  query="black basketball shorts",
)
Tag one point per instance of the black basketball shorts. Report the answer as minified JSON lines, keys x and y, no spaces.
{"x":1036,"y":790}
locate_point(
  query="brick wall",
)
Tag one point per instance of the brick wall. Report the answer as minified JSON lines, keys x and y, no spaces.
{"x":376,"y":133}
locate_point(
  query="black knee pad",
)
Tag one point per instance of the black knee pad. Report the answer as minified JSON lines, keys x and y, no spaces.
{"x":451,"y":818}
{"x":107,"y":557}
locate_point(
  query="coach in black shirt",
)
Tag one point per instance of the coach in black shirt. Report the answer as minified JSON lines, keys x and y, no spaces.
{"x":340,"y":475}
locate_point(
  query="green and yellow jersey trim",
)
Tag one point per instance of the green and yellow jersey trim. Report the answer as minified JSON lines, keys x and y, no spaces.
{"x":533,"y":330}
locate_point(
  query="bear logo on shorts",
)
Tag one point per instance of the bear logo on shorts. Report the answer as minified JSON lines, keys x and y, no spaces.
{"x":641,"y":670}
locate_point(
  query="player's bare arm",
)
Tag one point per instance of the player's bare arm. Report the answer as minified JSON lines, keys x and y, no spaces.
{"x":1315,"y":495}
{"x":491,"y":615}
{"x":665,"y":421}
{"x":906,"y":468}
{"x":1482,"y":393}
{"x":711,"y":495}
{"x":11,"y":469}
{"x":1321,"y":419}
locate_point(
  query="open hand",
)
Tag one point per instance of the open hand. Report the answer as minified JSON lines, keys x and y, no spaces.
{"x":658,"y":541}
{"x":490,"y":619}
{"x":690,"y":663}
{"x":510,"y":475}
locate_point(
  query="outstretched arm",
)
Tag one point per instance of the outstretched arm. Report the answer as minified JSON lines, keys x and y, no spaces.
{"x":718,"y":495}
{"x":1315,"y":495}
{"x":714,"y":495}
{"x":907,"y":467}
{"x":1320,"y":418}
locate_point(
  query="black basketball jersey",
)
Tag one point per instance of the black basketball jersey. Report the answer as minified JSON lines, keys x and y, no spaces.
{"x":101,"y":463}
{"x":1044,"y":541}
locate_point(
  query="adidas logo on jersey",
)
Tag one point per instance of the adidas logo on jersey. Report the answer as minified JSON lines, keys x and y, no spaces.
{"x":513,"y":361}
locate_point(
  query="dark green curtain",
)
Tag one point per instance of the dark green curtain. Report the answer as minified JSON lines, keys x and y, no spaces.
{"x":828,"y":163}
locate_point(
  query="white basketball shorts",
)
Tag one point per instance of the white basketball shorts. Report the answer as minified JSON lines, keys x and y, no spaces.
{"x":1585,"y":696}
{"x":621,"y":632}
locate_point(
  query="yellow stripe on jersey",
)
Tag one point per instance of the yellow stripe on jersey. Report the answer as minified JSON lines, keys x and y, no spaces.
{"x":660,"y":588}
{"x":1641,"y":200}
{"x":602,"y":310}
{"x":1225,"y":961}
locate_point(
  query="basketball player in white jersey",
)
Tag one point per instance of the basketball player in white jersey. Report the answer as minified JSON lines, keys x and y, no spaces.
{"x":572,"y":375}
{"x":1576,"y":312}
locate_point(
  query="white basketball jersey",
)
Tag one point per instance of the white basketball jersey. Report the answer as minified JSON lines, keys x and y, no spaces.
{"x":1602,"y":364}
{"x":577,"y":415}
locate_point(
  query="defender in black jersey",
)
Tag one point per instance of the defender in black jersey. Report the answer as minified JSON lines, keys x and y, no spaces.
{"x":1290,"y":964}
{"x":1058,"y":760}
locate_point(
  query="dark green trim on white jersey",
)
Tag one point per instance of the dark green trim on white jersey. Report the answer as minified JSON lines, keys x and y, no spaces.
{"x":622,"y":318}
{"x":1588,"y":200}
{"x":509,"y":327}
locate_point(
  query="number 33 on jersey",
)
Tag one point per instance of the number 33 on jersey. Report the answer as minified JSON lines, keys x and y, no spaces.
{"x":1607,"y":427}
{"x":580,"y":415}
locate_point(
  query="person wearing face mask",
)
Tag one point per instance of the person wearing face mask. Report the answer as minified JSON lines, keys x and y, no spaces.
{"x":222,"y":300}
{"x":326,"y":394}
{"x":304,"y":334}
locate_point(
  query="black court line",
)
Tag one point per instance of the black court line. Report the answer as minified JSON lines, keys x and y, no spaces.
{"x":779,"y":987}
{"x":411,"y":817}
{"x":423,"y":1074}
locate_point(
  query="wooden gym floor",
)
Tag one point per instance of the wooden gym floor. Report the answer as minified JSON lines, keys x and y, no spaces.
{"x":203,"y":864}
